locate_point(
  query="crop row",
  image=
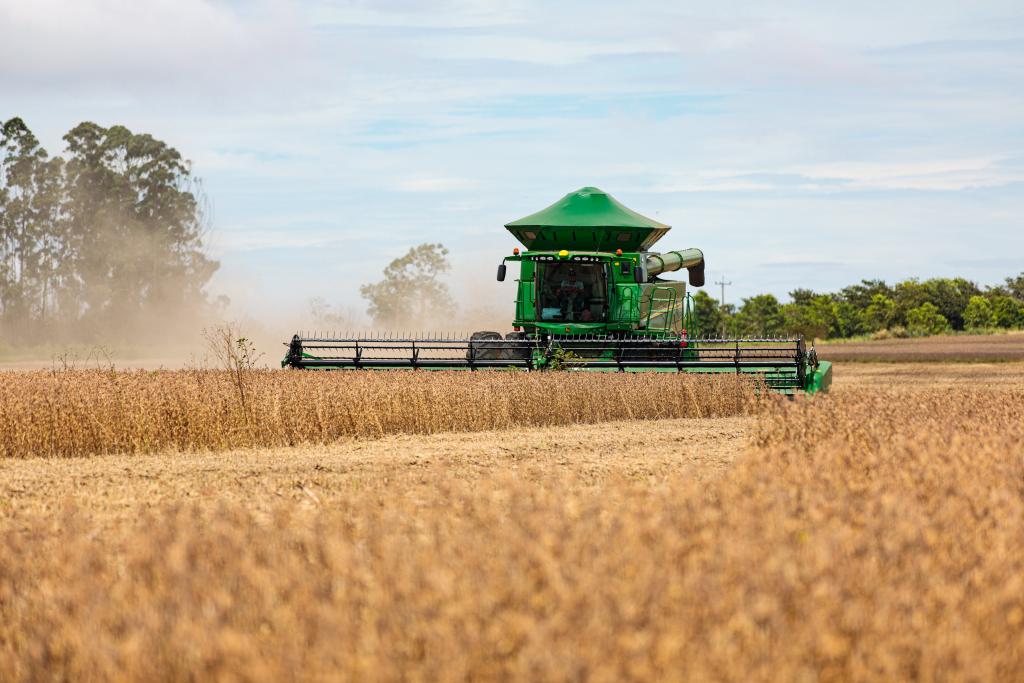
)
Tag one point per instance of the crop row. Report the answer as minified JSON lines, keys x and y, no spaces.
{"x":76,"y":413}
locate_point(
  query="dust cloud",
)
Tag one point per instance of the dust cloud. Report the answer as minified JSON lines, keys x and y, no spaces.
{"x":171,"y":336}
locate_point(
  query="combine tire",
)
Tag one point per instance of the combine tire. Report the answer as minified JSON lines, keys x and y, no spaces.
{"x":490,"y":346}
{"x":519,"y":350}
{"x":485,"y":346}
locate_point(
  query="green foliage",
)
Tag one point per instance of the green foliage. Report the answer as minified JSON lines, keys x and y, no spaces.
{"x":848,"y":320}
{"x":1008,"y":312}
{"x":562,"y":359}
{"x":710,"y":317}
{"x":411,"y":291}
{"x":109,"y":236}
{"x":978,"y":315}
{"x":926,"y":319}
{"x":861,"y":295}
{"x":878,"y":314}
{"x":951,"y":297}
{"x":907,"y":295}
{"x":911,"y":307}
{"x":802,"y":297}
{"x":1015,"y":287}
{"x":810,"y":315}
{"x":138,"y":221}
{"x":760,"y":315}
{"x":33,"y":244}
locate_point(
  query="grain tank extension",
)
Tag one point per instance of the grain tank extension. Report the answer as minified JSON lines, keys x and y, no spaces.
{"x":589,"y":296}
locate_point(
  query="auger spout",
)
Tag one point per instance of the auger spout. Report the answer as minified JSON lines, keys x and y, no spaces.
{"x":666,"y":262}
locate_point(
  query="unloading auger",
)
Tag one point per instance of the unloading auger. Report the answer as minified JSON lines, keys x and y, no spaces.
{"x":589,"y":297}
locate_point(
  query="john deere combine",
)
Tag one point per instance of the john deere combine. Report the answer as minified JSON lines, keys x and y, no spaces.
{"x":589,"y":297}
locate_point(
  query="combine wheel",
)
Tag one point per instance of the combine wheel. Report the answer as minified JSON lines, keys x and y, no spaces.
{"x":485,"y":346}
{"x":519,"y":349}
{"x":490,"y":346}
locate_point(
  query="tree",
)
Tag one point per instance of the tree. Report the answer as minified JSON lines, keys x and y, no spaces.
{"x":1015,"y":287}
{"x":411,"y":291}
{"x":137,"y":221}
{"x":324,"y":316}
{"x":31,"y":230}
{"x":810,"y":315}
{"x":978,"y":314}
{"x":1007,"y":312}
{"x":861,"y":295}
{"x":951,"y":296}
{"x":906,"y":296}
{"x":760,"y":315}
{"x":110,"y":236}
{"x":710,"y":318}
{"x":926,"y":319}
{"x":847,"y":320}
{"x":802,"y":297}
{"x":879,"y":313}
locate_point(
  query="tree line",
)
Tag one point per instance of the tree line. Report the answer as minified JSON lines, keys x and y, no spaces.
{"x":104,"y":241}
{"x":412,"y":290}
{"x":872,"y":307}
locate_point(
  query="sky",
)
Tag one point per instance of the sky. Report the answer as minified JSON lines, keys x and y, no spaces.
{"x":798,"y":144}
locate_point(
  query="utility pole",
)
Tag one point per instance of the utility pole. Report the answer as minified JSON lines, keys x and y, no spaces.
{"x":723,"y":283}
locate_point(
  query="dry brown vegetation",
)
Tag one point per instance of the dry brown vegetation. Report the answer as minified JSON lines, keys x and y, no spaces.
{"x":963,"y":348}
{"x":86,"y":412}
{"x":876,"y":534}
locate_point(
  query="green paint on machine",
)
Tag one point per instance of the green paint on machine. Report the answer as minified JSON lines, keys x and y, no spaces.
{"x":589,"y":296}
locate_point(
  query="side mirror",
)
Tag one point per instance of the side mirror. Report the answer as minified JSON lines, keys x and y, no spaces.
{"x":638,"y":274}
{"x":501,"y":273}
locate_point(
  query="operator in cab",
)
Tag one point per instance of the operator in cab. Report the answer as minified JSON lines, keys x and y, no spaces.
{"x":570,"y":295}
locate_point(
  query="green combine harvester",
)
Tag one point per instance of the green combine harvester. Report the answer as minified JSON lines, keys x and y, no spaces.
{"x":589,"y":297}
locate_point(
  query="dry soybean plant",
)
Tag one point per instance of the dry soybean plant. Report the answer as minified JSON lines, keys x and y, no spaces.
{"x":865,"y":536}
{"x":85,"y":412}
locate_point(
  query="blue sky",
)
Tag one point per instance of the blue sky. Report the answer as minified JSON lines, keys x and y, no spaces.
{"x":798,"y":145}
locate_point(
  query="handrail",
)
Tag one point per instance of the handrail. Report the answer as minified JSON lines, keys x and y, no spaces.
{"x":668,"y":310}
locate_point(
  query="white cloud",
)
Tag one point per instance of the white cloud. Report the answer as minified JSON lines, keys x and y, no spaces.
{"x":931,"y":174}
{"x":559,"y":51}
{"x":437,"y":184}
{"x":421,"y":15}
{"x":938,"y":175}
{"x":86,"y":43}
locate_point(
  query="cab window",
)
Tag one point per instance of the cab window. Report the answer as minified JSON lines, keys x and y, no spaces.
{"x":572,"y":292}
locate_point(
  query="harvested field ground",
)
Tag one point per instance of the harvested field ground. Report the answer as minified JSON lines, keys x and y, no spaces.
{"x":315,"y":476}
{"x":875,"y":534}
{"x":944,"y":348}
{"x":927,"y":374}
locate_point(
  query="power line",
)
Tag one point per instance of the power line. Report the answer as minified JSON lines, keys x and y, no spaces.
{"x":723,"y":283}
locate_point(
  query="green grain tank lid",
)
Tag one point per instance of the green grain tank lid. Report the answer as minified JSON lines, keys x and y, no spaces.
{"x":588,"y":219}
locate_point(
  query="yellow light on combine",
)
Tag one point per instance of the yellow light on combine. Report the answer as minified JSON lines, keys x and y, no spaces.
{"x":515,"y":251}
{"x":618,"y":252}
{"x":563,"y":253}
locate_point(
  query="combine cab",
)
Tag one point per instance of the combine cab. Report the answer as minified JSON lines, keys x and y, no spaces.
{"x":589,"y":297}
